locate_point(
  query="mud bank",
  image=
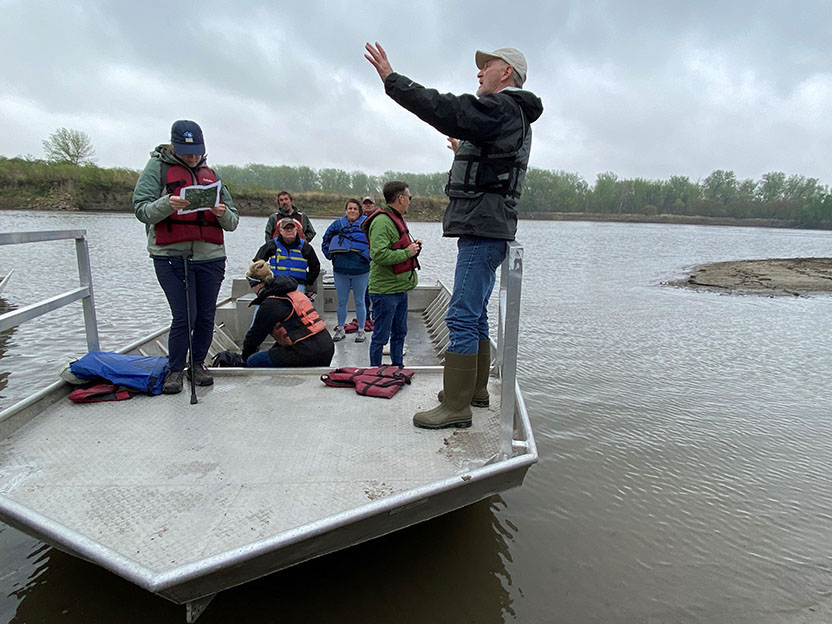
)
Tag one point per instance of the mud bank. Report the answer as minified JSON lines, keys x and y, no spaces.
{"x":771,"y":277}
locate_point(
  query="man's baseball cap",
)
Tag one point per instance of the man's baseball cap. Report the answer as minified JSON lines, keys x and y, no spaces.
{"x":186,"y":137}
{"x":512,"y":56}
{"x":368,"y":199}
{"x":289,"y":222}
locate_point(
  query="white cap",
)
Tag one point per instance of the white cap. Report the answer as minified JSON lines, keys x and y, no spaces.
{"x":512,"y":56}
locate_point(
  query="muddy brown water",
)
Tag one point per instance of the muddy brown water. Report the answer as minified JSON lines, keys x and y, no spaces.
{"x":684,"y":444}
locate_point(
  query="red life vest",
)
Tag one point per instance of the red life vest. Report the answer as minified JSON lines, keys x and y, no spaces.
{"x":301,"y":323}
{"x":101,"y":392}
{"x":201,"y":225}
{"x":379,"y":381}
{"x":411,"y":264}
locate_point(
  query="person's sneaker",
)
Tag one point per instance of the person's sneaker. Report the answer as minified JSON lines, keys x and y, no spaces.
{"x":338,"y":335}
{"x":359,"y":336}
{"x":201,"y":375}
{"x":173,"y":382}
{"x":368,"y":325}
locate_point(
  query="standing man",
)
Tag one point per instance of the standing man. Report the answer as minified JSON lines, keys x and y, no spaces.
{"x":490,"y":135}
{"x":393,"y":266}
{"x":286,"y":208}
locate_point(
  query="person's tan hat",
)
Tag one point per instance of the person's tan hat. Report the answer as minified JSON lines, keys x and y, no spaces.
{"x":367,"y":199}
{"x":512,"y":56}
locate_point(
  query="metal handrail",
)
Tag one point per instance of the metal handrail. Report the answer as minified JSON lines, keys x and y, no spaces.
{"x":508,"y":332}
{"x":84,"y":292}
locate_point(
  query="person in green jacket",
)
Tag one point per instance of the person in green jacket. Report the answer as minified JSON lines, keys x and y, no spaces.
{"x":175,"y":229}
{"x":393,"y":266}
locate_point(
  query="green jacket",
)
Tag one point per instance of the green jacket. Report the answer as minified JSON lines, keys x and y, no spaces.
{"x":383,"y":281}
{"x":151,"y":204}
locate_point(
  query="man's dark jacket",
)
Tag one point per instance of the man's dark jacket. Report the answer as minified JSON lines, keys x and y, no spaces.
{"x":481,"y":121}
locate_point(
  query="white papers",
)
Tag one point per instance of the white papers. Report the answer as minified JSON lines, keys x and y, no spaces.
{"x":201,"y":196}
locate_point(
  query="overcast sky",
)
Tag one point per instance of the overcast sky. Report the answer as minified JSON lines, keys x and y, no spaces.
{"x":642,"y":89}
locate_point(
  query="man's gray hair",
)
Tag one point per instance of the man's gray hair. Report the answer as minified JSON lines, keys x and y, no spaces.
{"x":518,"y":81}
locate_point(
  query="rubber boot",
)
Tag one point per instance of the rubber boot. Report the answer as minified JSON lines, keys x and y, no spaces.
{"x":480,"y":398}
{"x":459,"y":377}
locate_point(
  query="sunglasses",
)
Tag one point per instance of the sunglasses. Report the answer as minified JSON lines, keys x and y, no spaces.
{"x":253,"y":282}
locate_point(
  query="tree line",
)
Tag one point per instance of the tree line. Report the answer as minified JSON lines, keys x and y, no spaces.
{"x":795,"y":199}
{"x":787,"y":200}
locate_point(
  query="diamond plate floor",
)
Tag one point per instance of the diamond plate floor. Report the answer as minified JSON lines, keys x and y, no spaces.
{"x":167,"y":483}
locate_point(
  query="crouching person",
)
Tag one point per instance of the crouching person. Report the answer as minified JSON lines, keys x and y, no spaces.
{"x":300,"y":334}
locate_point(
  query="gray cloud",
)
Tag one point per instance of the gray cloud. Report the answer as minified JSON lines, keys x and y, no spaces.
{"x":637,"y":88}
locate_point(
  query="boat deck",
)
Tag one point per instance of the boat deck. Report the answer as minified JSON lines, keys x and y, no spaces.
{"x":166,"y":484}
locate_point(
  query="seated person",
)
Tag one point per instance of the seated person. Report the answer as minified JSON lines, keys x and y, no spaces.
{"x":289,"y":255}
{"x":300,"y":334}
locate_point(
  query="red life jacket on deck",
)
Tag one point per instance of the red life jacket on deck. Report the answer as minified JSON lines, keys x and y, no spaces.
{"x":101,"y":392}
{"x":301,"y":323}
{"x":411,"y":264}
{"x":194,"y":226}
{"x":379,"y":381}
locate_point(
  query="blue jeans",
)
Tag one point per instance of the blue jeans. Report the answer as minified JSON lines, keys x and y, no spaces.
{"x":261,"y":359}
{"x":368,"y":304}
{"x":476,"y":271}
{"x":204,"y":281}
{"x":390,"y":323}
{"x":358,"y":284}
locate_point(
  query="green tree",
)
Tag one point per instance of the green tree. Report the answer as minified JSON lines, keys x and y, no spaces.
{"x":720,"y":186}
{"x":72,"y":146}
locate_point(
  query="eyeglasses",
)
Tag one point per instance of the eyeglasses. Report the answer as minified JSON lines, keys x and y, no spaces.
{"x":409,"y":197}
{"x":253,"y":282}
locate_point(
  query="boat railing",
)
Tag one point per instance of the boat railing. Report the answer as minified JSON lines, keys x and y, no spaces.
{"x":508,"y":332}
{"x":84,"y":292}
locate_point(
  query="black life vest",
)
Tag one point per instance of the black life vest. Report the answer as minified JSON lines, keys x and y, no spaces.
{"x":194,"y":226}
{"x":301,"y":323}
{"x":498,"y":167}
{"x":405,"y":239}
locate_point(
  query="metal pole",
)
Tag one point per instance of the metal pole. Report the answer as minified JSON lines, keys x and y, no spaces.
{"x":511,"y":279}
{"x":82,"y":253}
{"x":190,"y":329}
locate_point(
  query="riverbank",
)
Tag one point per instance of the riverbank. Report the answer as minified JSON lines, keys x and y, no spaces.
{"x":772,"y":277}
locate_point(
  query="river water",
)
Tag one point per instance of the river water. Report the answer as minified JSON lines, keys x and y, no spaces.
{"x":684,"y":443}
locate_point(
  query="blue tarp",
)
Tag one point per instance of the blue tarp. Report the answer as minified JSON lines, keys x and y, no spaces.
{"x":142,"y":373}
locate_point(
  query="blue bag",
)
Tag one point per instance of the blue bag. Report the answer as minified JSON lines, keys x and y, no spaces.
{"x":142,"y":373}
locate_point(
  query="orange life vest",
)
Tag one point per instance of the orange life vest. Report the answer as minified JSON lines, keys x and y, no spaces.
{"x":301,"y":323}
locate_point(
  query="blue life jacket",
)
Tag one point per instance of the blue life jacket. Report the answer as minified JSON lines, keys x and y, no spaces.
{"x":142,"y":373}
{"x":289,"y":261}
{"x":350,"y":237}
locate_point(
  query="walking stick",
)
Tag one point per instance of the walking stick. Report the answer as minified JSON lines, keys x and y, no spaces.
{"x":190,"y":339}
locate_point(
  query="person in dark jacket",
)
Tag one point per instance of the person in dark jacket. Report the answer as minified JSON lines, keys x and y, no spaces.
{"x":490,"y":135}
{"x":345,"y":244}
{"x":301,"y":338}
{"x":288,"y":254}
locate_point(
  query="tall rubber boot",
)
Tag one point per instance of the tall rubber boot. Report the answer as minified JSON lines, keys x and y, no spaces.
{"x":459,"y":377}
{"x":480,"y":398}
